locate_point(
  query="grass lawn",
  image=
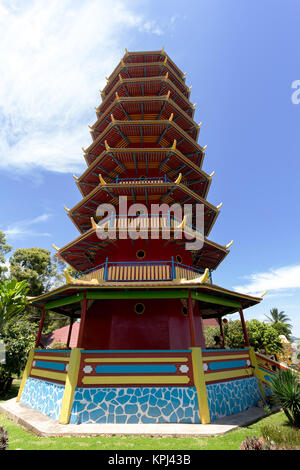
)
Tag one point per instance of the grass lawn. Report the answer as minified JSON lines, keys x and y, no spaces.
{"x":21,"y":439}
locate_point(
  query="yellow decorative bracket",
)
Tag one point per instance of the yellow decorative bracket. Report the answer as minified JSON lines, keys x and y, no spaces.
{"x":205,"y":276}
{"x":107,"y":147}
{"x":71,"y":383}
{"x":171,"y":117}
{"x":26,"y":373}
{"x":174,"y":145}
{"x":94,"y":225}
{"x":199,"y":381}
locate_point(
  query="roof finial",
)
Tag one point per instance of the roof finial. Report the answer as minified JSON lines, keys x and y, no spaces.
{"x":163,"y":50}
{"x":205,"y":276}
{"x":220,"y":205}
{"x":66,"y":209}
{"x":107,"y":147}
{"x":126,"y":52}
{"x":179,"y":178}
{"x":75,"y":178}
{"x":204,"y":148}
{"x":212,"y":174}
{"x":174,"y":145}
{"x":264,"y":293}
{"x":229,"y":245}
{"x":55,"y":247}
{"x":102,"y":181}
{"x":168,"y":94}
{"x":112,"y":118}
{"x":171,"y":117}
{"x":120,"y":78}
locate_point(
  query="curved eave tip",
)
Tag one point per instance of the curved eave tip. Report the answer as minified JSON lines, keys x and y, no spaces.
{"x":264,"y":293}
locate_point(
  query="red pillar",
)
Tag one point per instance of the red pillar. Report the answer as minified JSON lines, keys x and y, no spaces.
{"x":222,"y":332}
{"x":82,"y":321}
{"x":70,"y":331}
{"x":244,"y":328}
{"x":37,"y":342}
{"x":191,"y":320}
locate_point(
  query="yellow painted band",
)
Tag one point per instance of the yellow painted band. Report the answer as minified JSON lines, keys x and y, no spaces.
{"x":223,"y":358}
{"x":52,"y":358}
{"x":71,"y":382}
{"x":227,"y":374}
{"x":132,"y":379}
{"x":136,"y":359}
{"x":26,"y":373}
{"x":47,"y":374}
{"x":199,"y":381}
{"x":257,"y":372}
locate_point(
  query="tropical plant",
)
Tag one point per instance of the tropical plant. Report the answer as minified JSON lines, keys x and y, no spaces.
{"x":13,"y":300}
{"x":278,"y":317}
{"x":4,"y":249}
{"x":285,"y":389}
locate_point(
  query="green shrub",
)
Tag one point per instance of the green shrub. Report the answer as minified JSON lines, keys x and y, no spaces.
{"x":284,"y":437}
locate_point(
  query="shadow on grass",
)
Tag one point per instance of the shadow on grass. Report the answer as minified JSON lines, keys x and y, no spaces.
{"x":13,"y":391}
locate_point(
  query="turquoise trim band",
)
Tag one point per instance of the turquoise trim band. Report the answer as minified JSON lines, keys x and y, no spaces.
{"x":53,"y":350}
{"x":136,"y":369}
{"x":50,"y":365}
{"x":223,"y":365}
{"x":224,"y":350}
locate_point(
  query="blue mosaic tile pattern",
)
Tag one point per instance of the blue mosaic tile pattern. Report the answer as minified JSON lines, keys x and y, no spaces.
{"x":227,"y":398}
{"x":135,"y":405}
{"x":45,"y":397}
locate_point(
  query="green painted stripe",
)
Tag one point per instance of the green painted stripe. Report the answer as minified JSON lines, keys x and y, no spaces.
{"x":144,"y":294}
{"x":65,"y":301}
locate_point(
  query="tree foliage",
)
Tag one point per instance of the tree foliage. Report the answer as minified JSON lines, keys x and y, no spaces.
{"x":13,"y":300}
{"x":278,"y":317}
{"x":35,"y":266}
{"x":261,"y":336}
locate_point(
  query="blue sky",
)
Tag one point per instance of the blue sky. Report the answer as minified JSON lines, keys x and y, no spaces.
{"x":241,"y":59}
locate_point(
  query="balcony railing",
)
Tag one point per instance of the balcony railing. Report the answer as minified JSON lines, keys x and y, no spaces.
{"x":139,"y":271}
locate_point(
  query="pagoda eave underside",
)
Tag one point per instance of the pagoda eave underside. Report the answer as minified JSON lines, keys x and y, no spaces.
{"x":214,"y":301}
{"x":116,"y":162}
{"x":154,"y":86}
{"x":145,"y":70}
{"x":80,"y":253}
{"x":157,"y":133}
{"x":145,"y":108}
{"x":144,"y":193}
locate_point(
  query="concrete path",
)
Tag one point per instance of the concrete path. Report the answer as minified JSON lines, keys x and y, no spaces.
{"x":41,"y":425}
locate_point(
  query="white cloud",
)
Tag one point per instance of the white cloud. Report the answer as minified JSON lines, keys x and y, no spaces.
{"x":24,"y":228}
{"x":55,"y":55}
{"x":286,"y":277}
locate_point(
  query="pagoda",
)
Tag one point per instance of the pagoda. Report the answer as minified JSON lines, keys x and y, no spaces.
{"x":142,"y":301}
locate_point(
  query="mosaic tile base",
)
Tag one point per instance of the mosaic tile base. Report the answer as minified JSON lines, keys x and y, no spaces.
{"x":135,"y":405}
{"x":43,"y":396}
{"x":227,"y":398}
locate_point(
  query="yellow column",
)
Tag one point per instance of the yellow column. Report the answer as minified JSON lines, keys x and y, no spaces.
{"x":256,"y":371}
{"x":200,"y":385}
{"x":71,"y":382}
{"x":26,"y":373}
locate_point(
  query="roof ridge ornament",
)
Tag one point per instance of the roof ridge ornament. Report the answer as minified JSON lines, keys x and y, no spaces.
{"x":117,"y":96}
{"x":167,"y":76}
{"x":102,"y":181}
{"x":94,"y":225}
{"x":66,"y":209}
{"x":120,"y":78}
{"x":55,"y":247}
{"x":194,"y":105}
{"x":112,"y":118}
{"x":171,"y":117}
{"x":179,"y":178}
{"x":166,"y":60}
{"x":126,"y":52}
{"x":163,"y":50}
{"x":220,"y":205}
{"x":212,"y":174}
{"x":107,"y":147}
{"x":229,"y":245}
{"x":168,"y":95}
{"x":264,"y":293}
{"x":75,"y":178}
{"x":174,"y":145}
{"x":204,"y":148}
{"x":83,"y":149}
